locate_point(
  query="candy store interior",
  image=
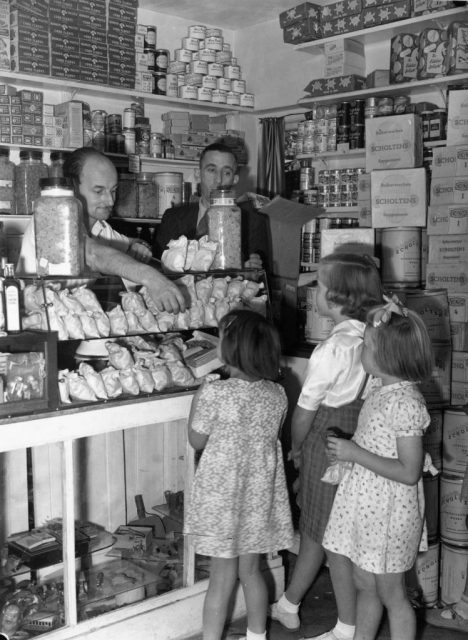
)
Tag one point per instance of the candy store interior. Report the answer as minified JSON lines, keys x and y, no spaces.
{"x":348,"y":122}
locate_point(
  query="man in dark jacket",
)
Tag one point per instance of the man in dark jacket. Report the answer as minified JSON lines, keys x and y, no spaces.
{"x":217,"y":168}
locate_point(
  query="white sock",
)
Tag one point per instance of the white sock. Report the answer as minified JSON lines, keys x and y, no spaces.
{"x":344,"y":631}
{"x":255,"y":636}
{"x":288,"y":606}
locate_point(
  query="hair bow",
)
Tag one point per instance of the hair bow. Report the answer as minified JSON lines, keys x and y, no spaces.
{"x":384,"y":313}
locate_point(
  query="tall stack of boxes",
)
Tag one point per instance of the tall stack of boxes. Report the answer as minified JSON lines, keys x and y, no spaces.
{"x":4,"y":35}
{"x":92,"y":41}
{"x":29,"y":36}
{"x":64,"y":40}
{"x":121,"y":28}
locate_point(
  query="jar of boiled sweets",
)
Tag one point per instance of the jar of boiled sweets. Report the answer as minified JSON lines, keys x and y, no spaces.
{"x":147,"y":195}
{"x":58,"y":229}
{"x":27,"y":176}
{"x":224,"y":227}
{"x":7,"y":170}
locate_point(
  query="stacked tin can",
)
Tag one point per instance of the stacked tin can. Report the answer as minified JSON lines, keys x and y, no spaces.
{"x":317,"y":134}
{"x":338,"y":187}
{"x":350,"y":123}
{"x":98,"y":126}
{"x":114,"y":139}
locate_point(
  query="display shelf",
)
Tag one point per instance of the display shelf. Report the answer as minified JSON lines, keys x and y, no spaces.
{"x":319,"y":155}
{"x":118,"y":93}
{"x":377,"y":33}
{"x":414,"y":88}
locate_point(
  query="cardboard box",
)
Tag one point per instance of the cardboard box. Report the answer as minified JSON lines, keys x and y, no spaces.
{"x":344,"y":57}
{"x":93,"y":48}
{"x":304,"y":31}
{"x":459,"y":336}
{"x":459,"y":394}
{"x":421,"y":7}
{"x":404,"y":57}
{"x":117,"y":27}
{"x":98,"y":76}
{"x":357,"y":240}
{"x":436,"y":390}
{"x":457,"y":118}
{"x":449,"y":190}
{"x":448,"y":248}
{"x":324,"y":86}
{"x":450,"y":161}
{"x":453,"y":277}
{"x":448,"y":219}
{"x":394,"y":142}
{"x":92,"y":21}
{"x":121,"y":80}
{"x":378,"y":78}
{"x":399,"y":198}
{"x":337,"y":26}
{"x":366,"y":4}
{"x":373,"y":16}
{"x":26,"y":20}
{"x":298,"y":13}
{"x":340,"y":9}
{"x":121,"y":13}
{"x":65,"y":70}
{"x":72,"y":114}
{"x":458,"y":307}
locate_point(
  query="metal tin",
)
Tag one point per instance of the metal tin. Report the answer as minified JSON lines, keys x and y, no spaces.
{"x":149,"y":53}
{"x":210,"y":82}
{"x":385,"y":106}
{"x":219,"y":96}
{"x":160,"y":83}
{"x":215,"y":69}
{"x":205,"y":94}
{"x":99,"y":140}
{"x":177,"y":67}
{"x":233,"y":98}
{"x":306,"y":178}
{"x":299,"y":146}
{"x":213,"y":32}
{"x":370,"y":109}
{"x":309,"y":127}
{"x":161,"y":60}
{"x":232,"y":71}
{"x":223,"y":57}
{"x":238,"y":86}
{"x":194,"y":79}
{"x":156,"y":145}
{"x":215,"y":43}
{"x":223,"y":83}
{"x":356,"y":112}
{"x":129,"y":135}
{"x":300,"y":125}
{"x":198,"y":66}
{"x":98,"y":120}
{"x":192,"y":44}
{"x":324,"y":176}
{"x":343,"y":114}
{"x":311,"y":196}
{"x":113,"y":123}
{"x":207,"y":55}
{"x":149,"y":41}
{"x":189,"y":92}
{"x":399,"y":104}
{"x":247,"y":100}
{"x":183,"y":55}
{"x":308,"y":144}
{"x":172,"y":85}
{"x":197,"y":31}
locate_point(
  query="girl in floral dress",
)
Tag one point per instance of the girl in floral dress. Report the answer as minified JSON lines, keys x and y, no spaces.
{"x":239,"y":506}
{"x":377,"y":519}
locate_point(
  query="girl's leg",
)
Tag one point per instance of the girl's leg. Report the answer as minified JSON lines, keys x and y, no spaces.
{"x":392,"y":592}
{"x":368,"y":605}
{"x":255,"y":592}
{"x":341,"y":573}
{"x":308,"y":563}
{"x":223,"y":576}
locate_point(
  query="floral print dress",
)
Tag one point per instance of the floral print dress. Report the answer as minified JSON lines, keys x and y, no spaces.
{"x":376,"y":522}
{"x":239,"y":501}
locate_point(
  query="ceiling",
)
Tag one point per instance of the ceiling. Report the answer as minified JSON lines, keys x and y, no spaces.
{"x":227,"y":14}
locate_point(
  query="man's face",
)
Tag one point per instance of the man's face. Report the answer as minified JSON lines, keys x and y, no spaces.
{"x":98,"y":187}
{"x":217,"y":170}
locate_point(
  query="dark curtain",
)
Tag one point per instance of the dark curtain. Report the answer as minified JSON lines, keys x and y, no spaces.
{"x":270,"y":171}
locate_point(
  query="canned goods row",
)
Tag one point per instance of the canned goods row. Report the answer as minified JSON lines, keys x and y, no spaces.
{"x":434,"y":124}
{"x":310,"y":236}
{"x":340,"y":176}
{"x":319,"y":125}
{"x":338,"y":199}
{"x":387,"y":106}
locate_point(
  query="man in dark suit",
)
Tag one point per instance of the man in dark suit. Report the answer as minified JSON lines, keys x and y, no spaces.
{"x":217,"y":168}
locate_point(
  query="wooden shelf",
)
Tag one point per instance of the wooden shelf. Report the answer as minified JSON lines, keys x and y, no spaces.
{"x":375,"y":34}
{"x":318,"y":155}
{"x":118,"y":93}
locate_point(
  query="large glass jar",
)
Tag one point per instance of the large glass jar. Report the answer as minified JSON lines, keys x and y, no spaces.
{"x":57,"y":159}
{"x":147,"y":195}
{"x":7,"y":170}
{"x":224,"y":227}
{"x":59,"y":229}
{"x":125,"y":205}
{"x":28,"y":173}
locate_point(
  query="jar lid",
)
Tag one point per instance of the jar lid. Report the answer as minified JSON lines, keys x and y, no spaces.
{"x":145,"y":176}
{"x":48,"y":183}
{"x":31,"y":154}
{"x":222,"y":192}
{"x":4,"y":151}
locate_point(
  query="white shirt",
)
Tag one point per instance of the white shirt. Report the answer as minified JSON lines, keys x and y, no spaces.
{"x":101,"y":230}
{"x":335,"y":374}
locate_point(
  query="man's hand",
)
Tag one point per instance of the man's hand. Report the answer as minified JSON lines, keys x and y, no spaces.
{"x":140,"y":251}
{"x":254,"y":262}
{"x":165,"y":294}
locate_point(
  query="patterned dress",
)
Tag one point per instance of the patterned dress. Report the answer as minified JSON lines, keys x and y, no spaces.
{"x":376,"y":522}
{"x":239,"y":501}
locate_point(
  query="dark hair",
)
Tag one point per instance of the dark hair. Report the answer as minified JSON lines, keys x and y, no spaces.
{"x":73,"y":165}
{"x":402,"y":346}
{"x":250,"y":343}
{"x":220,"y":147}
{"x":353,"y":282}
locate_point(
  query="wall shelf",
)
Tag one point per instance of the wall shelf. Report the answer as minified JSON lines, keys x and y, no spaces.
{"x":318,"y":155}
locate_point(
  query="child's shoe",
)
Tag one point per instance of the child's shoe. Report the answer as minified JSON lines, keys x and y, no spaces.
{"x":289,"y":620}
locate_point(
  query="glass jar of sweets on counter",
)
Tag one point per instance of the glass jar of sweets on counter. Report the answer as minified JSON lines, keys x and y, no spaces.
{"x":224,"y":227}
{"x":28,"y":173}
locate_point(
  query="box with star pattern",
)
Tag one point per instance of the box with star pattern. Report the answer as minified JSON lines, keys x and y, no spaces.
{"x":374,"y":16}
{"x":345,"y":24}
{"x":341,"y":8}
{"x":341,"y":84}
{"x":304,"y":11}
{"x":305,"y":31}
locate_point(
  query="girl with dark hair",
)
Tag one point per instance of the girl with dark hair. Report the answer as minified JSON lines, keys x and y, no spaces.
{"x":239,"y":506}
{"x":377,"y":520}
{"x":348,"y":285}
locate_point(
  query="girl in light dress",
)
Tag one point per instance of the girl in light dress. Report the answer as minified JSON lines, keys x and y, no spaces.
{"x":377,"y":519}
{"x":348,"y":286}
{"x":239,"y":506}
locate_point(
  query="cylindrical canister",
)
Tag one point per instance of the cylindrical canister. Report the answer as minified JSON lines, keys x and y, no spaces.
{"x":427,"y":572}
{"x":432,"y":438}
{"x":455,"y":441}
{"x":453,"y":511}
{"x":161,"y":60}
{"x":317,"y":327}
{"x":401,"y":256}
{"x":436,"y":389}
{"x":170,"y":187}
{"x":432,"y":305}
{"x":453,"y":570}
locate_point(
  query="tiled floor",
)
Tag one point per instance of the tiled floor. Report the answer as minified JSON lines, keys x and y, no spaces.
{"x":318,"y":614}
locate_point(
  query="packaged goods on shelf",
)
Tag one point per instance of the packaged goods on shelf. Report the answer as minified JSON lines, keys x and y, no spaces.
{"x":298,"y":13}
{"x":449,"y":190}
{"x":448,"y":248}
{"x":432,"y":53}
{"x":447,"y":219}
{"x":344,"y":57}
{"x":458,"y":307}
{"x":360,"y":241}
{"x":421,"y":7}
{"x":391,"y":12}
{"x":457,"y":117}
{"x":459,"y":336}
{"x":394,"y":142}
{"x":71,"y":115}
{"x":450,"y":161}
{"x":336,"y":26}
{"x":340,"y":9}
{"x":378,"y":78}
{"x":457,"y":50}
{"x":398,"y":198}
{"x":304,"y":31}
{"x":404,"y":57}
{"x":453,"y":277}
{"x":324,"y":86}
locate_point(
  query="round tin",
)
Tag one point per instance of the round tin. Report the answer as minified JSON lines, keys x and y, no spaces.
{"x":204,"y":94}
{"x":197,"y":31}
{"x":399,"y":104}
{"x":172,"y":85}
{"x":183,"y":55}
{"x":224,"y":84}
{"x":194,"y":79}
{"x":177,"y":67}
{"x":215,"y":43}
{"x":149,"y":38}
{"x":113,"y":123}
{"x":189,"y":92}
{"x":385,"y":106}
{"x":238,"y":86}
{"x":223,"y":57}
{"x":343,"y":114}
{"x":247,"y":100}
{"x":207,"y":55}
{"x":160,"y":83}
{"x":192,"y":44}
{"x":129,"y":135}
{"x":233,"y":98}
{"x":198,"y":66}
{"x":232,"y":71}
{"x":210,"y":82}
{"x":213,"y":32}
{"x":356,"y":112}
{"x":370,"y":110}
{"x":219,"y":96}
{"x":98,"y":120}
{"x":156,"y":145}
{"x":161,"y":59}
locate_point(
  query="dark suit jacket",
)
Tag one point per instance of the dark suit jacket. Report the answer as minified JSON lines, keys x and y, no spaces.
{"x":182,"y":220}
